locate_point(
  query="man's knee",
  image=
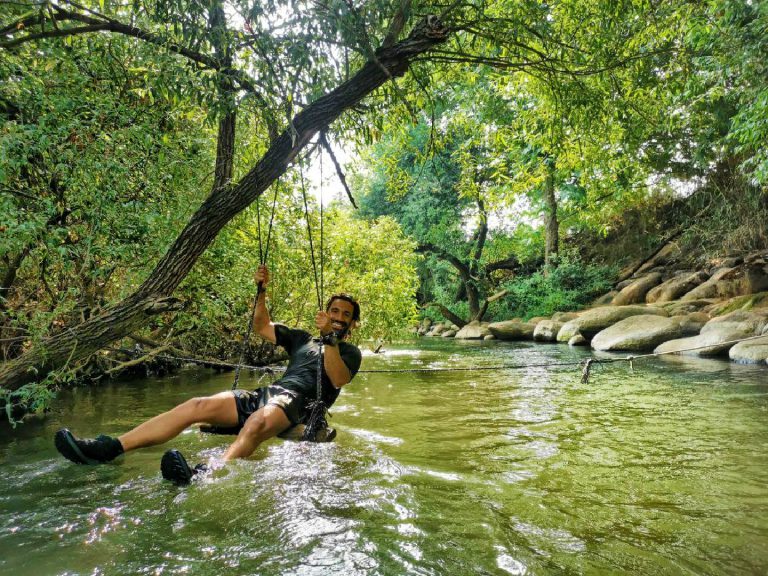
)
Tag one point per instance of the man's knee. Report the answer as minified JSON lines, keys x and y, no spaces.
{"x":203,"y":407}
{"x":266,"y":423}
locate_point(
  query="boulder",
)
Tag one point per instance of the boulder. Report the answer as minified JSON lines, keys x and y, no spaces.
{"x":668,"y":254}
{"x":708,"y":289}
{"x":635,"y":292}
{"x":751,"y":351}
{"x":536,"y":319}
{"x":512,"y":330}
{"x":564,"y":316}
{"x":748,"y":278}
{"x":641,"y":333}
{"x":473,"y":331}
{"x":593,"y":321}
{"x":437,"y":329}
{"x":691,"y":324}
{"x":716,"y":341}
{"x":675,"y":287}
{"x":605,"y":299}
{"x":567,"y":331}
{"x":450,"y":333}
{"x":750,"y":323}
{"x":489,"y":337}
{"x":578,"y":340}
{"x":748,"y":302}
{"x":679,"y":307}
{"x":424,"y":326}
{"x":546,"y":331}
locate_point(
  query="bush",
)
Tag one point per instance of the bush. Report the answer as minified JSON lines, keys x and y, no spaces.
{"x":567,"y":285}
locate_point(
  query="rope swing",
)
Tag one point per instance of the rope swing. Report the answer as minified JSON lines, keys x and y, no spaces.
{"x":263,"y":254}
{"x":317,"y":409}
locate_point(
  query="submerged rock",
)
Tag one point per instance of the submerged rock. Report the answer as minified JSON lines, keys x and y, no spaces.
{"x":639,"y":333}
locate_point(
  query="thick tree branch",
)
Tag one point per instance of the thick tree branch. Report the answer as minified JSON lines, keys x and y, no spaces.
{"x":218,"y":209}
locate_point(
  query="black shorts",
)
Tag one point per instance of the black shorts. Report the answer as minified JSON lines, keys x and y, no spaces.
{"x":292,"y":403}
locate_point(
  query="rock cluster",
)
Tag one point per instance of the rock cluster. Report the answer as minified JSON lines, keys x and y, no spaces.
{"x":697,"y":312}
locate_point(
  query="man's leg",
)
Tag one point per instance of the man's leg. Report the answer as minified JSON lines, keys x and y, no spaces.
{"x":219,"y":409}
{"x":262,"y":425}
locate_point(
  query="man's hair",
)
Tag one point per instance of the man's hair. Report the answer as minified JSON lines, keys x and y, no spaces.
{"x":346,"y":298}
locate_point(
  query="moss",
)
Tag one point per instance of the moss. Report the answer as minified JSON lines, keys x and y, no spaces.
{"x":748,"y":302}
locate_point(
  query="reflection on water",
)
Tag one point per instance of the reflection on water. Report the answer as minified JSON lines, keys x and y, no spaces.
{"x":663,"y":470}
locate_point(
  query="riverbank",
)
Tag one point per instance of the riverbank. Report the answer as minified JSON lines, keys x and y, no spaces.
{"x":719,"y":310}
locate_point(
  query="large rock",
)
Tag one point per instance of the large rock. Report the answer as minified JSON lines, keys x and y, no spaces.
{"x":708,"y":289}
{"x":748,"y":302}
{"x":679,"y":307}
{"x":593,"y":321}
{"x":749,"y":278}
{"x":675,"y":287}
{"x":473,"y":331}
{"x":750,"y":323}
{"x":636,"y":291}
{"x":546,"y":331}
{"x":715,"y":340}
{"x":750,"y":352}
{"x":639,"y":333}
{"x":437,"y":329}
{"x":564,"y":317}
{"x":605,"y":299}
{"x":578,"y":340}
{"x":512,"y":330}
{"x":691,"y":324}
{"x":450,"y":333}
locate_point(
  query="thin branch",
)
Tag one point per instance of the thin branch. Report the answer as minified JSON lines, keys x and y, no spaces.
{"x":327,"y":145}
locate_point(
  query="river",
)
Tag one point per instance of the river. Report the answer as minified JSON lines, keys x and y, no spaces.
{"x":658,"y":470}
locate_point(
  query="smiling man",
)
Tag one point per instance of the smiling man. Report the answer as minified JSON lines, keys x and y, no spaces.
{"x":257,"y":415}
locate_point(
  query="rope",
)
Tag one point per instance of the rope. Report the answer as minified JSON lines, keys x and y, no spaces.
{"x":309,"y":233}
{"x":317,"y":408}
{"x":586,"y":365}
{"x":263,"y":254}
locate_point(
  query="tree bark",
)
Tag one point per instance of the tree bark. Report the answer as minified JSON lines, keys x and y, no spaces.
{"x":224,"y":203}
{"x":551,"y":225}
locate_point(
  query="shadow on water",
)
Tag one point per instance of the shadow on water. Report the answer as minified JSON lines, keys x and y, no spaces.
{"x":660,"y":470}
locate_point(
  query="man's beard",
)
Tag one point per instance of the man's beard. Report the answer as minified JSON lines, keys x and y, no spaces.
{"x":342,"y":332}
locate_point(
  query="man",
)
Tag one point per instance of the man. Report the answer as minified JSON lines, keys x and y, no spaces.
{"x":258,"y":415}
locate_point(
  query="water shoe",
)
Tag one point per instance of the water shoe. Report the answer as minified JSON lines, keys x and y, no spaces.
{"x":174,"y":467}
{"x":87,"y":450}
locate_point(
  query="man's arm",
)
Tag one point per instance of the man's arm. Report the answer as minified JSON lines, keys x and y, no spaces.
{"x":334,"y":366}
{"x":262,"y":323}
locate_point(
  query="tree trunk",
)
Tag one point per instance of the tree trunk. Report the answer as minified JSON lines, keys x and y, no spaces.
{"x":551,"y":225}
{"x":224,"y":203}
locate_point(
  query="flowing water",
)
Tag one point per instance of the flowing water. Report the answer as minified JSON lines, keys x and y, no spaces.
{"x":660,"y":470}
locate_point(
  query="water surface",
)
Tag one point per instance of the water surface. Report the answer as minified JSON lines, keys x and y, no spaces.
{"x":660,"y":470}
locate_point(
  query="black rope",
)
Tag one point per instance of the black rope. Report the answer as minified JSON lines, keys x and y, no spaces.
{"x":309,"y":233}
{"x":317,"y":408}
{"x":263,"y":255}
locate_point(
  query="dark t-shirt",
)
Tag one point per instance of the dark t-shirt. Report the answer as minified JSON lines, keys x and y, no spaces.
{"x":301,"y":374}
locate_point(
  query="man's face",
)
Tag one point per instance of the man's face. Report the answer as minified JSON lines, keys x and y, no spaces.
{"x":340,"y":312}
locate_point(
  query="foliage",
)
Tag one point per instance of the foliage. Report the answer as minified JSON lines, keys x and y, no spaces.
{"x":568,"y":286}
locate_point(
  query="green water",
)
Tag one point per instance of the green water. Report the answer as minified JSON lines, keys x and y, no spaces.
{"x":663,"y":470}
